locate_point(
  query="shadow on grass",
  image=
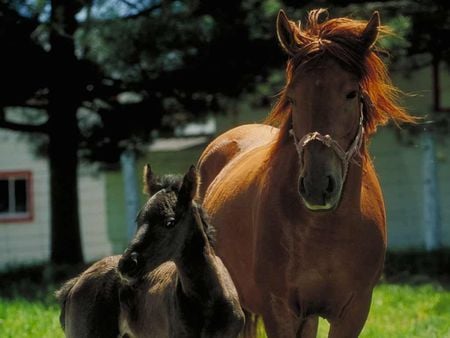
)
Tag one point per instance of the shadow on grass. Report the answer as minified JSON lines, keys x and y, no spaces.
{"x":36,"y":282}
{"x":418,"y":267}
{"x":39,"y":282}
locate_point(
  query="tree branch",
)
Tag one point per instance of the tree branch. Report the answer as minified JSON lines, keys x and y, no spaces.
{"x":28,"y":128}
{"x":131,"y":4}
{"x":143,"y":12}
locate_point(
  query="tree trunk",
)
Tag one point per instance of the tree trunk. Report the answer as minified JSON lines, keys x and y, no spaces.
{"x":64,"y":100}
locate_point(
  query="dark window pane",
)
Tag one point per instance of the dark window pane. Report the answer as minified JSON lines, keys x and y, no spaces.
{"x":20,"y":187}
{"x":4,"y":196}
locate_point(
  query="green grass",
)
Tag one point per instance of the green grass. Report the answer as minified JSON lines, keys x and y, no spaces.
{"x":409,"y":311}
{"x":397,"y":311}
{"x":404,"y":311}
{"x":419,"y":307}
{"x":21,"y":318}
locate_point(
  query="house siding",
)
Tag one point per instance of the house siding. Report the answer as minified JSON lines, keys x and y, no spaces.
{"x":28,"y":242}
{"x":400,"y":169}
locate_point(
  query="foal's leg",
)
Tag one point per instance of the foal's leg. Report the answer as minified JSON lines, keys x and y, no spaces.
{"x":352,"y":319}
{"x":308,"y":328}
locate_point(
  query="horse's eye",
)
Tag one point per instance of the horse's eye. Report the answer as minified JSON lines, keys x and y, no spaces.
{"x":170,"y":222}
{"x":351,"y":95}
{"x":289,"y":100}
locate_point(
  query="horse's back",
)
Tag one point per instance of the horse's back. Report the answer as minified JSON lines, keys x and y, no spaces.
{"x":230,"y":145}
{"x":90,"y":307}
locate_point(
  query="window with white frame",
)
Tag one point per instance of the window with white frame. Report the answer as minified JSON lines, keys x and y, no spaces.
{"x":15,"y":196}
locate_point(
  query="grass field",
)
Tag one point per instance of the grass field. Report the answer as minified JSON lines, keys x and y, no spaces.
{"x":398,"y":310}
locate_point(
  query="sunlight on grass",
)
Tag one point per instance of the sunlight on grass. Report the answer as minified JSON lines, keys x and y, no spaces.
{"x":398,"y":311}
{"x":20,"y":318}
{"x":409,"y":311}
{"x":402,"y":311}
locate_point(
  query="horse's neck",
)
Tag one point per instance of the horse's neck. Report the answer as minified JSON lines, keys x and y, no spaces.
{"x":195,"y":265}
{"x":351,"y":191}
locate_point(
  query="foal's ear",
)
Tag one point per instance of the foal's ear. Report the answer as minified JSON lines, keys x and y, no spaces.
{"x":285,"y":33}
{"x":149,"y":181}
{"x":189,"y":187}
{"x":370,"y":33}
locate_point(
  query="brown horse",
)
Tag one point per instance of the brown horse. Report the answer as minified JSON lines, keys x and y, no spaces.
{"x":297,"y":204}
{"x":142,"y":293}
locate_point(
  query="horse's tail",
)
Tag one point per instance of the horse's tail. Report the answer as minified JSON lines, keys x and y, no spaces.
{"x":61,"y":296}
{"x":251,"y":325}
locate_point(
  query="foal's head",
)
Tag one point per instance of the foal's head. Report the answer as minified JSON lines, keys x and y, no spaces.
{"x":164,"y":223}
{"x":326,"y":99}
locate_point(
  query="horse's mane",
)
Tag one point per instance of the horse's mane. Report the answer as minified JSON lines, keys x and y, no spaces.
{"x":171,"y":182}
{"x":340,"y":39}
{"x":168,"y":182}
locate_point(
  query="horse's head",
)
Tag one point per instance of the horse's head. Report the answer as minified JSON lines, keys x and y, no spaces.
{"x":326,"y":100}
{"x":163,"y":223}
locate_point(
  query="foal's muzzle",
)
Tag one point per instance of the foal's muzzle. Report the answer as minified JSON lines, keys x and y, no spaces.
{"x":129,"y":265}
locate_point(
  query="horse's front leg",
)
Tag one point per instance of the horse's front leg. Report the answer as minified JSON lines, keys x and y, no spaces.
{"x":308,"y":328}
{"x":352,"y":317}
{"x":280,"y":320}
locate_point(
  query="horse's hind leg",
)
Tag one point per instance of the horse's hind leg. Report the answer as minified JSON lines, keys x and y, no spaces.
{"x":308,"y":328}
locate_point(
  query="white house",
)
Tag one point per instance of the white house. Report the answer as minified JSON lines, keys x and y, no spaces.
{"x":25,"y":207}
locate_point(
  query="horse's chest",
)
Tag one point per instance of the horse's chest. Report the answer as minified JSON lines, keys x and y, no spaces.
{"x":331,"y":262}
{"x":325,"y":272}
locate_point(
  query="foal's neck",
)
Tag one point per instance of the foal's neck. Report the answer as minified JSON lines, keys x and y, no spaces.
{"x":195,"y":265}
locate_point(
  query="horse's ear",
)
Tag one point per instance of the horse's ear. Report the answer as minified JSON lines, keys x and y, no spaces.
{"x":285,"y":33}
{"x":188,"y":188}
{"x":149,"y":180}
{"x":370,"y":33}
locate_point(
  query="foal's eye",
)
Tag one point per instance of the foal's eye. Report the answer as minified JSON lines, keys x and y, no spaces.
{"x":351,"y":95}
{"x":170,"y":222}
{"x":290,"y":101}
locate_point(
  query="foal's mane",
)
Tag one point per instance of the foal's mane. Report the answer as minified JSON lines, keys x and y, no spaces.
{"x":173,"y":183}
{"x":340,"y":39}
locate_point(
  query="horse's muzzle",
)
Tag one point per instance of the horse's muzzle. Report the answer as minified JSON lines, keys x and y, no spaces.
{"x":320,"y":192}
{"x":128,"y":265}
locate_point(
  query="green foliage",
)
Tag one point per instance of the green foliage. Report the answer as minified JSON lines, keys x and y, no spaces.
{"x":181,"y":59}
{"x":184,"y":58}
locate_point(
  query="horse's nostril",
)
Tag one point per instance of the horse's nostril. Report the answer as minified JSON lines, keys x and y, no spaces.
{"x":127,"y":265}
{"x":331,"y":184}
{"x":302,"y":187}
{"x":134,"y":257}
